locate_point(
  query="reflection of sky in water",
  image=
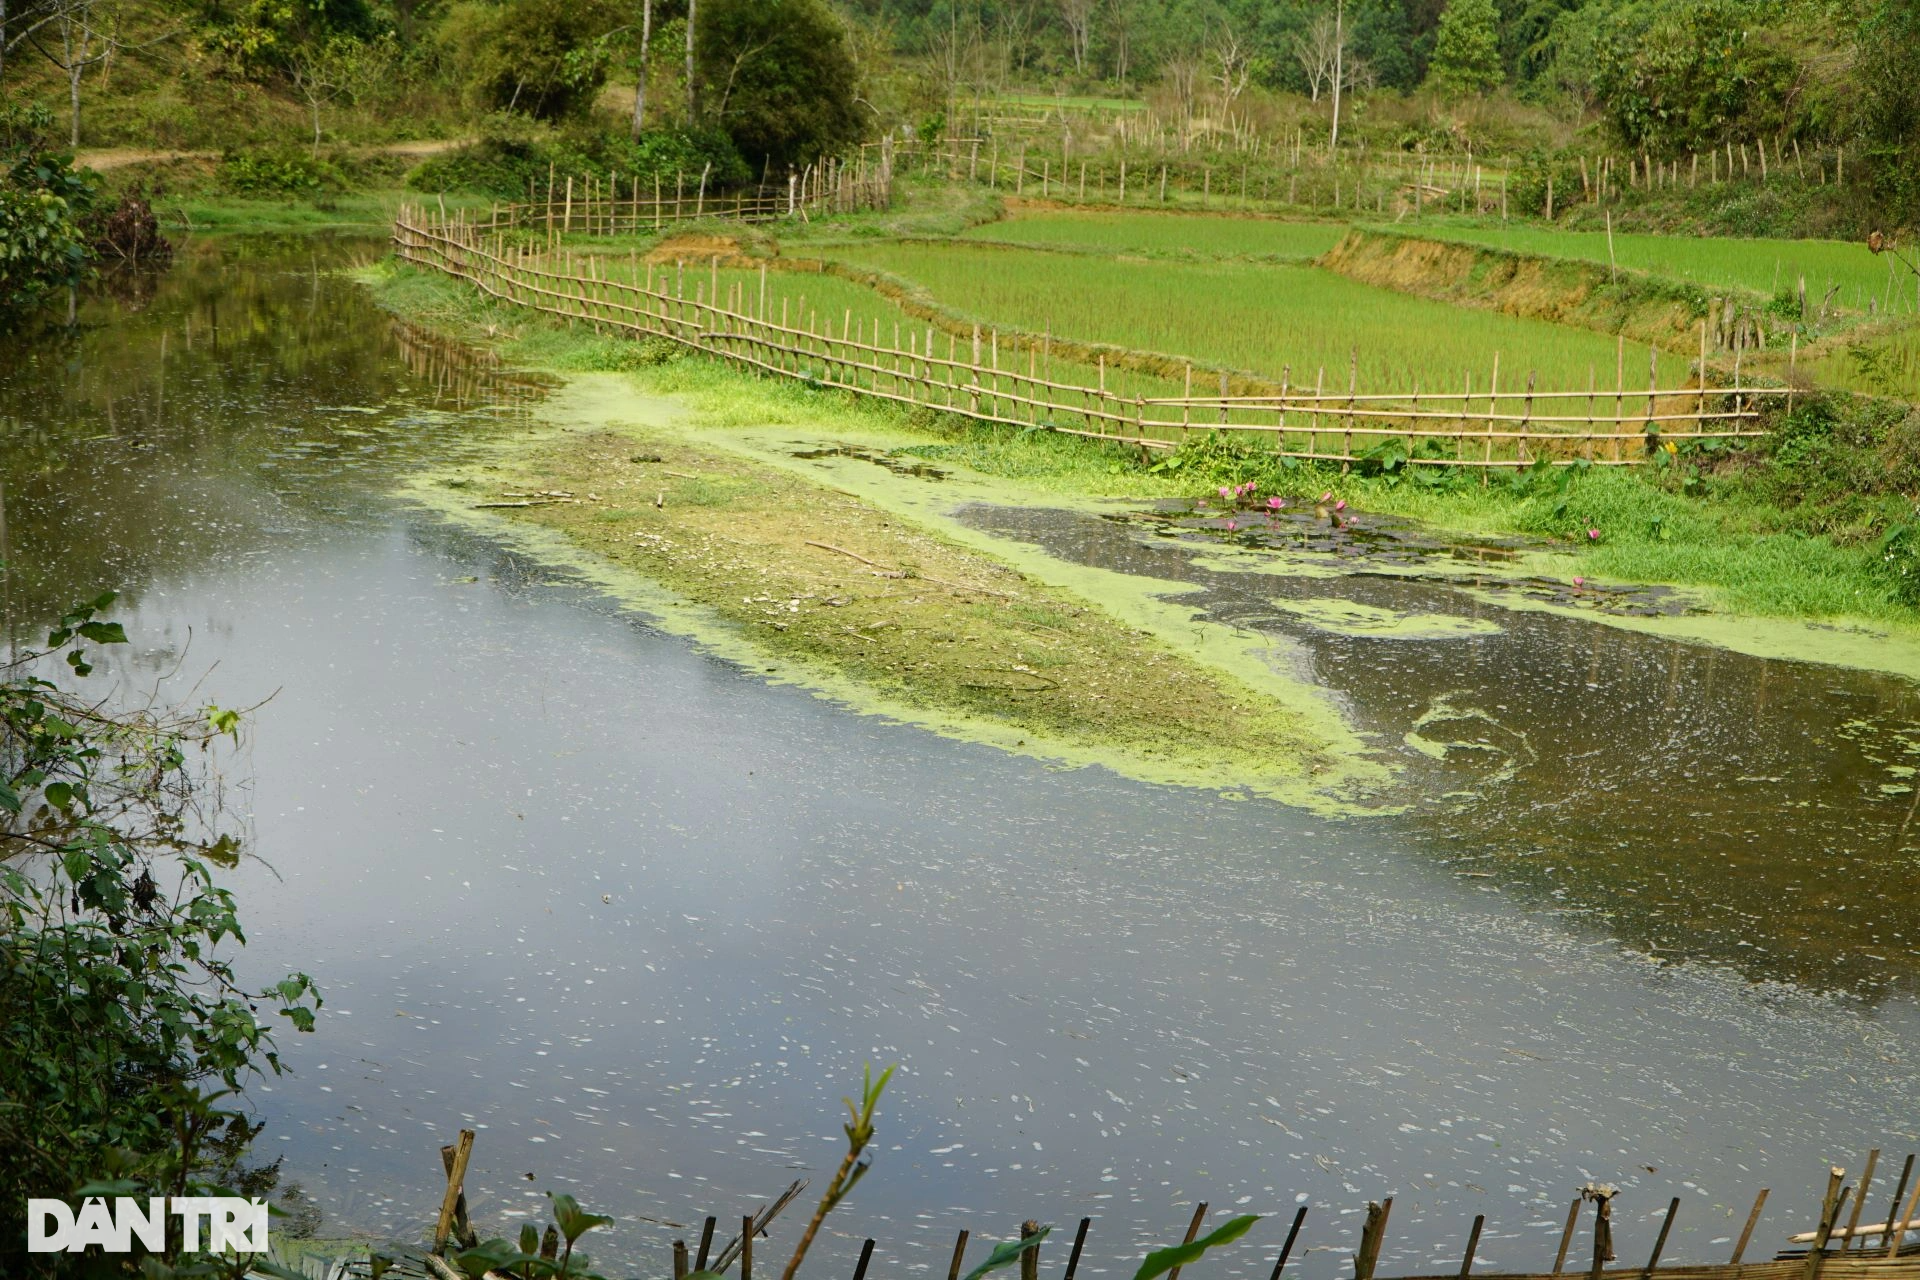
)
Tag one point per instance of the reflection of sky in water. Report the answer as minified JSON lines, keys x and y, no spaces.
{"x":1108,"y":998}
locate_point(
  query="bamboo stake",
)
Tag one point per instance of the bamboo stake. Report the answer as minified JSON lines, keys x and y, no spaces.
{"x":1566,"y":1236}
{"x":1746,"y":1233}
{"x":456,"y":1179}
{"x":1660,"y":1241}
{"x":1473,"y":1245}
{"x":1193,"y":1229}
{"x":1860,"y":1200}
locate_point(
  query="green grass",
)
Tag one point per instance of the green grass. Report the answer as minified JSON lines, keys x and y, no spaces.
{"x":1764,"y":266}
{"x":1269,"y":320}
{"x":1164,"y":234}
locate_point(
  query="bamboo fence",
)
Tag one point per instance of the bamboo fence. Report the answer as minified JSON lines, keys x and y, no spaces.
{"x":980,"y":376}
{"x":1839,"y":1246}
{"x":612,"y":204}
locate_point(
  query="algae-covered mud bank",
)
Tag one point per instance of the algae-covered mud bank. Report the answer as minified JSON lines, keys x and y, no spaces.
{"x":573,"y":869}
{"x":860,"y":594}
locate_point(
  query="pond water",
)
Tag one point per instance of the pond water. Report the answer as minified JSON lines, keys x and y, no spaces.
{"x":639,"y":917}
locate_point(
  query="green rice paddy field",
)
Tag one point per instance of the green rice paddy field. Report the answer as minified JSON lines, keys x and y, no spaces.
{"x":1764,"y":266}
{"x":1272,"y":320}
{"x":1177,"y":235}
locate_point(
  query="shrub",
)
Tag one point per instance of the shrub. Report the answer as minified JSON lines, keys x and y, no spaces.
{"x":121,"y":1021}
{"x":278,"y":173}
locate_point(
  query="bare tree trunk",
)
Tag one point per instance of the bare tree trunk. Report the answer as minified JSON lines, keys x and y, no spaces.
{"x":316,"y":128}
{"x":646,"y":65}
{"x":1339,"y":72}
{"x":3,"y":41}
{"x":693,"y":96}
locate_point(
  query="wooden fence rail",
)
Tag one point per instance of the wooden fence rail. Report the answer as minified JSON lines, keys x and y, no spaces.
{"x":980,"y":377}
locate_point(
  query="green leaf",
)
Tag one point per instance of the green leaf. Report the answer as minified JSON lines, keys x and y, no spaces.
{"x":1008,"y":1252}
{"x":574,"y":1221}
{"x":1161,"y":1261}
{"x":104,"y":632}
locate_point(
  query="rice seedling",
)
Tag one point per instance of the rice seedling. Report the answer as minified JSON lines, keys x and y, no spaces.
{"x":1164,"y":234}
{"x":1293,"y":322}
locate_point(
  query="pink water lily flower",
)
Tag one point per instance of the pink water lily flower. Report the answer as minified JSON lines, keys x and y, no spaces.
{"x":1340,"y":505}
{"x":1225,"y":492}
{"x":1593,"y":535}
{"x":1276,"y":503}
{"x":1232,"y":525}
{"x":1579,"y":582}
{"x":1327,"y":496}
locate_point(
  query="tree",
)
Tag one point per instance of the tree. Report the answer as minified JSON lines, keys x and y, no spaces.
{"x":337,"y":67}
{"x":1466,"y":50}
{"x":640,"y":74}
{"x":1888,"y":70}
{"x":1315,"y":49}
{"x":1233,"y":66}
{"x":780,"y":78}
{"x":42,"y":202}
{"x":523,"y":56}
{"x":1078,"y":17}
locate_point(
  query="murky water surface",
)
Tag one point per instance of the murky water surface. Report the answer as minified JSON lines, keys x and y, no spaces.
{"x":639,"y":918}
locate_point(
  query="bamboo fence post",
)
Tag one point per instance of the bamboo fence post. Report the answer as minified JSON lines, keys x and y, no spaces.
{"x":1371,"y":1235}
{"x":1602,"y":1231}
{"x":1473,"y":1245}
{"x":1079,"y":1243}
{"x":1651,"y":427}
{"x":1030,"y":1258}
{"x":866,"y":1256}
{"x":993,"y":355}
{"x":1829,"y":1210}
{"x":746,"y":1247}
{"x":1526,"y":419}
{"x":1566,"y":1236}
{"x":1193,"y":1229}
{"x":1286,"y":1249}
{"x":1493,"y":412}
{"x":566,"y":226}
{"x":1313,"y":436}
{"x":1590,"y":390}
{"x":973,"y":391}
{"x":1619,"y":391}
{"x":1280,"y":427}
{"x":1746,"y":1234}
{"x":1353,"y":386}
{"x":706,"y":1244}
{"x":1186,"y":405}
{"x":1660,"y":1241}
{"x":679,"y":1260}
{"x":1860,"y":1199}
{"x":1223,"y":398}
{"x":1899,"y":1189}
{"x":1897,"y":1228}
{"x":959,"y":1254}
{"x":456,"y":1180}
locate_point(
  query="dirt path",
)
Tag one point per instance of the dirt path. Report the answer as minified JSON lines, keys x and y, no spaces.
{"x":102,"y":159}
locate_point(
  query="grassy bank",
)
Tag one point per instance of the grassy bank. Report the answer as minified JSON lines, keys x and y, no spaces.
{"x":868,"y":592}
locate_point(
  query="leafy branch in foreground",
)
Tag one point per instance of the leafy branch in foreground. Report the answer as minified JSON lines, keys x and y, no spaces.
{"x":126,"y":1035}
{"x":859,"y":1133}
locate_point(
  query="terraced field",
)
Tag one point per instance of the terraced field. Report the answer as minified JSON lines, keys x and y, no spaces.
{"x":1764,"y":266}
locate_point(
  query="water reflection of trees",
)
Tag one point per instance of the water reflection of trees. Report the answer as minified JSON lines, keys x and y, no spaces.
{"x":185,"y":412}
